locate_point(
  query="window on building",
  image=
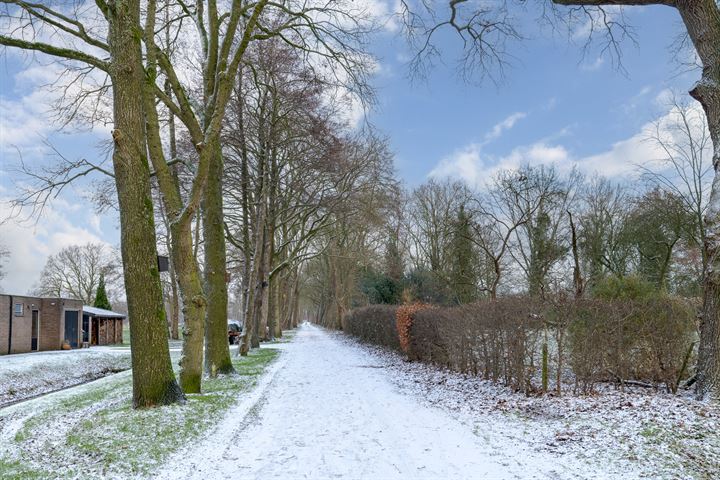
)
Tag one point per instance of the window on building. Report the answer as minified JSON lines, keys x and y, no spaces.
{"x":18,"y":309}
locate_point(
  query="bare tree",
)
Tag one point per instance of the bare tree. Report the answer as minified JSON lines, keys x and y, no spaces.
{"x":508,"y":205}
{"x":4,"y":254}
{"x":103,"y":38}
{"x":603,"y":230}
{"x":429,"y":224}
{"x":75,"y":271}
{"x":685,"y":165}
{"x":541,"y":242}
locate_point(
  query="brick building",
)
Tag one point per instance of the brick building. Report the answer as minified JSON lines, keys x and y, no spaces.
{"x":30,"y":324}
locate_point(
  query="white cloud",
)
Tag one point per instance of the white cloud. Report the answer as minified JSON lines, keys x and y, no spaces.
{"x":506,"y":124}
{"x":23,"y":124}
{"x":29,"y":115}
{"x":94,"y":222}
{"x":619,"y":161}
{"x":31,"y":244}
{"x":475,"y":168}
{"x":472,"y":165}
{"x":664,"y":97}
{"x":385,"y":12}
{"x":623,"y":157}
{"x":465,"y":164}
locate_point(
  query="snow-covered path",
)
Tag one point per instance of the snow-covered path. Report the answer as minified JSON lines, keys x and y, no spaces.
{"x":327,"y":410}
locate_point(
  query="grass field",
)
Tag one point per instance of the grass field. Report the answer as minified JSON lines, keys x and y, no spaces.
{"x":92,"y":431}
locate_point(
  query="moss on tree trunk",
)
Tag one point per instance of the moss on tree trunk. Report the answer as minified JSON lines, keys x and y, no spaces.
{"x":217,"y":347}
{"x":153,"y":379}
{"x":193,"y":304}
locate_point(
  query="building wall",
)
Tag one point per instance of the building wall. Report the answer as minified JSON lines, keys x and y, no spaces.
{"x":22,"y":324}
{"x":52,"y":322}
{"x":4,"y":323}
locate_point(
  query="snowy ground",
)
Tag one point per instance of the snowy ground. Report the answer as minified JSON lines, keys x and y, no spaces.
{"x":30,"y":374}
{"x":627,"y":434}
{"x":331,"y":408}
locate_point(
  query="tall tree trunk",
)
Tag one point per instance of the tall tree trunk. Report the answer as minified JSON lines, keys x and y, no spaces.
{"x":702,"y":20}
{"x":244,"y":347}
{"x":296,"y":306}
{"x":282,"y":309}
{"x":258,"y":301}
{"x":174,"y":295}
{"x":246,"y":242}
{"x":273,"y":307}
{"x":496,"y":279}
{"x":153,"y":379}
{"x":258,"y":281}
{"x":267,"y":262}
{"x":172,"y":273}
{"x":174,"y":305}
{"x":217,"y":348}
{"x":194,"y":306}
{"x":180,"y":216}
{"x":577,"y":274}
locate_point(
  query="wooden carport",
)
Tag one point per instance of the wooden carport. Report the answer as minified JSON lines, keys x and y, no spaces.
{"x":102,"y":327}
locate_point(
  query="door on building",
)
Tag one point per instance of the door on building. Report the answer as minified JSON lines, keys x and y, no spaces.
{"x":71,"y":327}
{"x":35,"y":342}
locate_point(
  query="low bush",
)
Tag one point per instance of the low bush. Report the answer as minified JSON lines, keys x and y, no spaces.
{"x":649,"y":340}
{"x":374,"y":324}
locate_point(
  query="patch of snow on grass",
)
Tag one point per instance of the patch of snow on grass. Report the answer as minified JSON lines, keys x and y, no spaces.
{"x":27,"y":375}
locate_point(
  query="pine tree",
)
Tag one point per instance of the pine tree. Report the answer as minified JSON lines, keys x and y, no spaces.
{"x":463,"y":272}
{"x":101,"y":298}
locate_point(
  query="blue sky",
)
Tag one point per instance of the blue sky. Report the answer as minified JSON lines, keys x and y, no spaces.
{"x":553,"y":106}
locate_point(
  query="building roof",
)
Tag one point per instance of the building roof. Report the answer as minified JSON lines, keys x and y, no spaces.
{"x":101,"y":312}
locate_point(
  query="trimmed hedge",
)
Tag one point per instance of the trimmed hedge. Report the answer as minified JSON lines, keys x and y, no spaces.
{"x":497,"y":340}
{"x":404,"y":321}
{"x":646,"y":340}
{"x":522,"y":342}
{"x":374,"y":324}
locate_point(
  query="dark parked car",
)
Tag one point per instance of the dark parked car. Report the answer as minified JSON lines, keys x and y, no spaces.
{"x":234,"y":332}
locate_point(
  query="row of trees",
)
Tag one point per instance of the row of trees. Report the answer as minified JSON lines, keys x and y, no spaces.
{"x":521,"y":234}
{"x":227,"y":128}
{"x":203,"y":92}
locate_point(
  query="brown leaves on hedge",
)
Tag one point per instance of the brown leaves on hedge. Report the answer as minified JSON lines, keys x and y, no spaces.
{"x":404,"y":320}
